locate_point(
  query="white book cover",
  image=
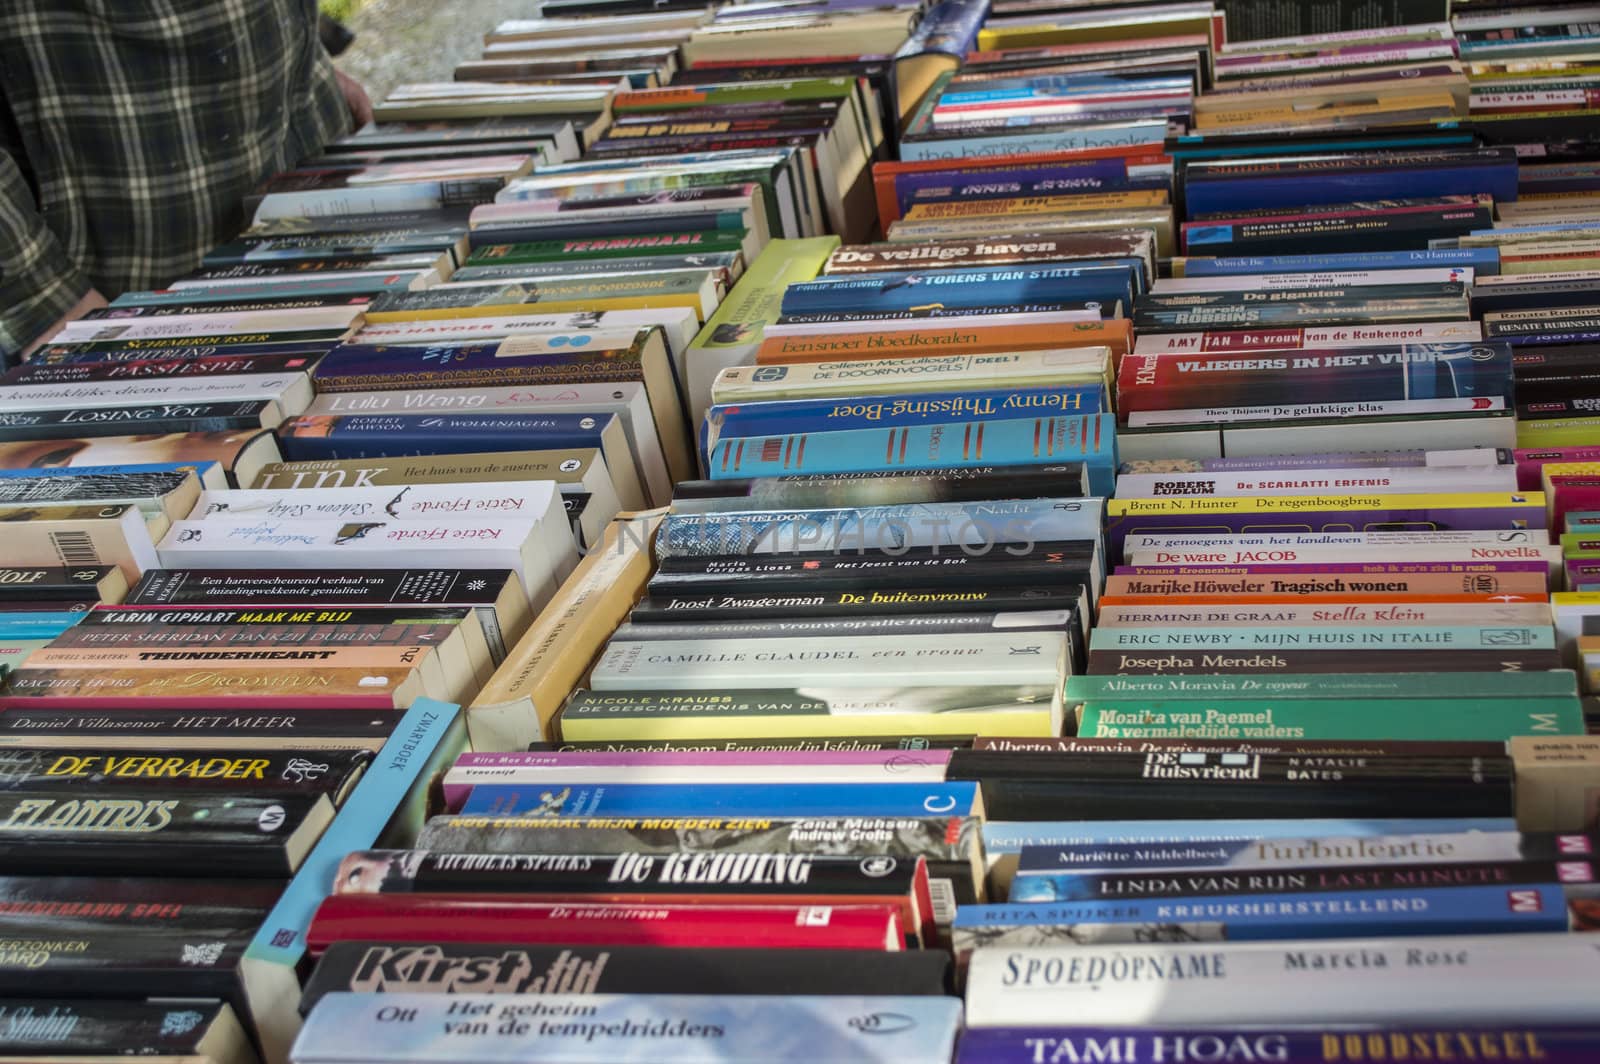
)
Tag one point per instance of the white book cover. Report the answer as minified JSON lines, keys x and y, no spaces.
{"x":1407,"y":982}
{"x":627,"y":399}
{"x":292,"y":391}
{"x":866,"y":662}
{"x":1399,"y":481}
{"x":519,"y":544}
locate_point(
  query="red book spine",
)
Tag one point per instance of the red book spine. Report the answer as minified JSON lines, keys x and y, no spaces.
{"x":441,"y":918}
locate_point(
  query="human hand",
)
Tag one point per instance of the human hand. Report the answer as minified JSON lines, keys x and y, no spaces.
{"x":92,"y":300}
{"x":355,"y":97}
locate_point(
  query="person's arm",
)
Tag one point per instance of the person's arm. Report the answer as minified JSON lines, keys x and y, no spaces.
{"x":39,"y":285}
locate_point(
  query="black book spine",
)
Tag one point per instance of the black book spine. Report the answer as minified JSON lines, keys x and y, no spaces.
{"x":733,"y":606}
{"x":264,"y":587}
{"x":87,"y":770}
{"x":906,"y":624}
{"x":1000,"y":566}
{"x":697,"y":874}
{"x":46,"y":832}
{"x":159,"y":367}
{"x":44,"y":583}
{"x":571,"y":226}
{"x":459,"y":968}
{"x":53,"y":1028}
{"x":355,"y":617}
{"x":18,"y":725}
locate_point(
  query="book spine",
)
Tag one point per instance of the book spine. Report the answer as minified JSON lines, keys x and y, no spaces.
{"x":1336,"y":337}
{"x":150,"y":637}
{"x":1089,"y":439}
{"x":977,"y":526}
{"x":1392,"y":409}
{"x":685,"y":874}
{"x":47,"y":832}
{"x":1222,"y":482}
{"x":864,"y":607}
{"x":1378,"y":719}
{"x":259,"y":688}
{"x":1052,"y":563}
{"x":919,"y":624}
{"x":1527,"y":908}
{"x":36,"y":583}
{"x":1315,"y":1044}
{"x":313,"y":728}
{"x":264,"y":587}
{"x":1320,"y":661}
{"x":917,"y":661}
{"x":906,"y":743}
{"x":1484,"y":260}
{"x":1324,"y":638}
{"x":401,"y":918}
{"x":250,"y":658}
{"x":150,"y":420}
{"x":1353,"y":685}
{"x":675,"y":799}
{"x":978,"y":288}
{"x":730,"y":1027}
{"x":1361,"y":980}
{"x":102,"y":372}
{"x":62,"y":1027}
{"x":1046,"y":885}
{"x":391,"y":435}
{"x":49,"y":772}
{"x":893,"y":412}
{"x":1310,"y":748}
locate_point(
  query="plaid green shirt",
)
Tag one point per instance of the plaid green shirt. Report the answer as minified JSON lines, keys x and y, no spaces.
{"x":130,"y":130}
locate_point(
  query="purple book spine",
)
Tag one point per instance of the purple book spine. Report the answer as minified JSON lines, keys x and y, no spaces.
{"x":1033,"y":1045}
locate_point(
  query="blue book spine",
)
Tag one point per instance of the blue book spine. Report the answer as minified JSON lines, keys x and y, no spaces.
{"x":737,"y":420}
{"x":1584,"y":519}
{"x":629,"y":1029}
{"x":1339,"y":914}
{"x":1090,"y":439}
{"x":997,"y":286}
{"x":401,"y":435}
{"x":723,"y":799}
{"x":1011,"y":837}
{"x":1313,"y":189}
{"x":200,"y":468}
{"x":1098,"y":175}
{"x":1486,"y":261}
{"x":383,"y":809}
{"x":37,"y":624}
{"x":576,"y":346}
{"x":1151,"y":131}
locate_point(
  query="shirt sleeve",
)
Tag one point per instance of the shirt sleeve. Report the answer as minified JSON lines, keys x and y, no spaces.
{"x":38,"y":282}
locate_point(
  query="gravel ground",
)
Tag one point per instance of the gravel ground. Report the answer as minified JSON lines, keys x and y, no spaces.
{"x":421,"y":40}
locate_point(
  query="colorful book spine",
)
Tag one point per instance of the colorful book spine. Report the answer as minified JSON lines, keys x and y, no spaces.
{"x":1031,"y":441}
{"x":1377,"y":718}
{"x":722,"y":799}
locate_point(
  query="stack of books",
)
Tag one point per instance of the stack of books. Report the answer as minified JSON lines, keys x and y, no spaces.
{"x":818,"y":531}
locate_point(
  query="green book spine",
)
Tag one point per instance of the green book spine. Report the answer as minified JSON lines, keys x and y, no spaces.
{"x":711,"y":241}
{"x":1475,"y":719}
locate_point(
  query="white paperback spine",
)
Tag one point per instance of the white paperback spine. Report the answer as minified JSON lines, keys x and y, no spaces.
{"x":999,"y":659}
{"x":1480,"y":979}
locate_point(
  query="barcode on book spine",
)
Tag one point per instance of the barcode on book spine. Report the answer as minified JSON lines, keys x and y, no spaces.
{"x":74,"y":548}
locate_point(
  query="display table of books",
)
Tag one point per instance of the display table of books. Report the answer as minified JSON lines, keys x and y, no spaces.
{"x":1039,"y":532}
